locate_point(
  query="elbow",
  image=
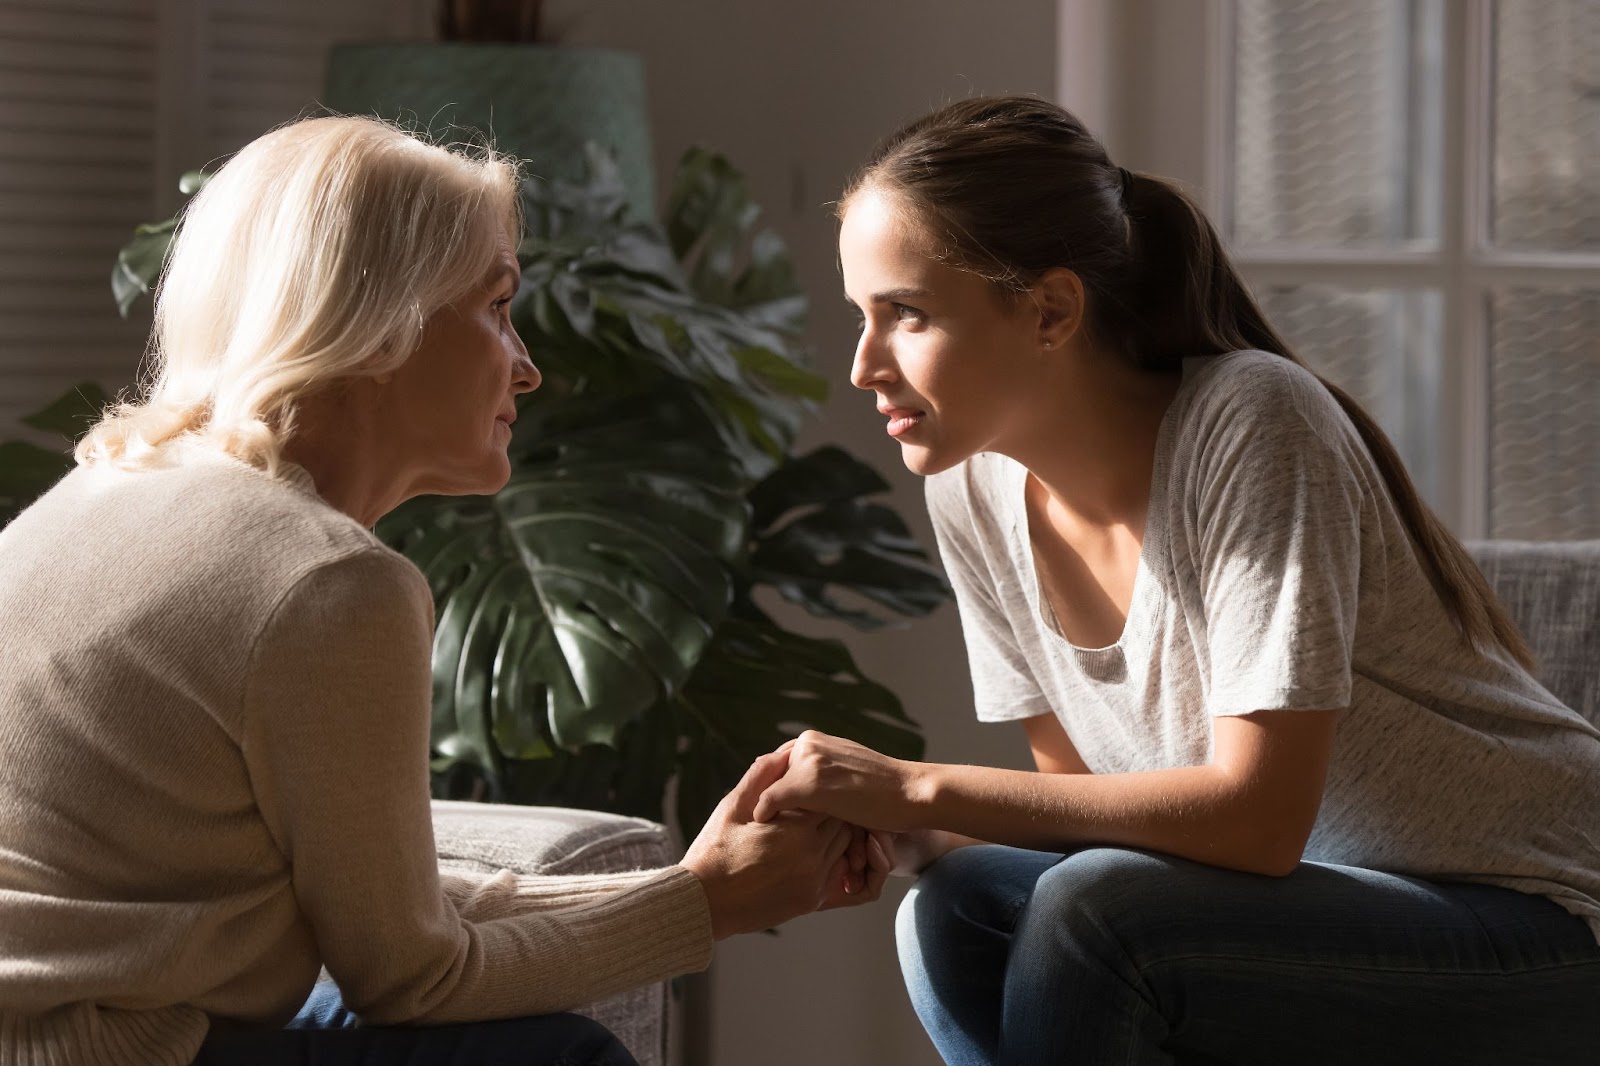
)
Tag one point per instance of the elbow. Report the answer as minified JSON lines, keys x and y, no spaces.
{"x":1275,"y":850}
{"x":1280,"y":865}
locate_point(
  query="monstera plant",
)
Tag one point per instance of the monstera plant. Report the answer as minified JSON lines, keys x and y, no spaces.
{"x":606,"y":623}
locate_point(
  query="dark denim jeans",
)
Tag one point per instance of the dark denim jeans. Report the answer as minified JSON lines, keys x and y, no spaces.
{"x":1114,"y":957}
{"x":324,"y":1033}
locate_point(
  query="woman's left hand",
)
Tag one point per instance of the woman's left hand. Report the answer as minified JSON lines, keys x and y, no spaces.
{"x":838,"y":777}
{"x":860,"y":874}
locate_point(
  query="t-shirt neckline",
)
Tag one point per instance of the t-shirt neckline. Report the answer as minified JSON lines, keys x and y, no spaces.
{"x":1152,"y":548}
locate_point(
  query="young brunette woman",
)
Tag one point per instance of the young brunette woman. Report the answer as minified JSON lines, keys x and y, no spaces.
{"x":1299,"y":798}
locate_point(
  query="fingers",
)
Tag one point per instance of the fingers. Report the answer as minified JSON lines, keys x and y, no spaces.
{"x":847,"y":889}
{"x":767,"y":809}
{"x":840,"y":844}
{"x":838,"y":880}
{"x":878,"y":857}
{"x":857,"y":856}
{"x":777,"y":797}
{"x":762,"y":775}
{"x":879,"y":866}
{"x":785,"y":796}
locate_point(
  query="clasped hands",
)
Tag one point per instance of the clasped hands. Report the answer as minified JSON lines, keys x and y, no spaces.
{"x":819,"y":823}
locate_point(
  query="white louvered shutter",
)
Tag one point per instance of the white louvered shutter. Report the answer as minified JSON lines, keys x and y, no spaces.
{"x":78,"y":141}
{"x":103,"y":103}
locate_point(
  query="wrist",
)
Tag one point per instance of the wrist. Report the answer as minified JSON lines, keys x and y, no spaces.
{"x":923,"y":786}
{"x":714,"y":913}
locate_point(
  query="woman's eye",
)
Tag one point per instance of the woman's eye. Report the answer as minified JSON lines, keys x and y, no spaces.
{"x":908,"y":314}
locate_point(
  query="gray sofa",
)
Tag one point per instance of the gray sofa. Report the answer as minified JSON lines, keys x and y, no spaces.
{"x":1553,"y":593}
{"x":1552,"y":590}
{"x":556,"y":840}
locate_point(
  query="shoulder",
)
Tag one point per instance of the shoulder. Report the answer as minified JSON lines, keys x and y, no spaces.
{"x":259,"y":506}
{"x":1254,"y":390}
{"x":370,"y":587}
{"x":1252,"y":410}
{"x":230,"y":531}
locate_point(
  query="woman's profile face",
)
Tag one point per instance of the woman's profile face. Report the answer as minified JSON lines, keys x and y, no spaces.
{"x":947,"y":356}
{"x":449,"y":407}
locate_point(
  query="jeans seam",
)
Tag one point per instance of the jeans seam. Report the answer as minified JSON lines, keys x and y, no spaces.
{"x":1255,"y":960}
{"x":1487,"y":939}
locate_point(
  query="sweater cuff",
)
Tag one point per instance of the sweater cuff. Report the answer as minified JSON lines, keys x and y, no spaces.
{"x":657,"y":928}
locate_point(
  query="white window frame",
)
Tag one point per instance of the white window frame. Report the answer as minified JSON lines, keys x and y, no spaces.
{"x":1146,"y":72}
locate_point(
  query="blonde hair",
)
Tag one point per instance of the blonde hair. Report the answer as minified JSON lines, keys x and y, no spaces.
{"x":314,"y":254}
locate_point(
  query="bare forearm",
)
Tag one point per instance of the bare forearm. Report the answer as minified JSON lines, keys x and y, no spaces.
{"x":1200,"y":813}
{"x":928,"y":846}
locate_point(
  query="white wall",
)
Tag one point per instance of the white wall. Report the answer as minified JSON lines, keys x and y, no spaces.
{"x":796,"y":94}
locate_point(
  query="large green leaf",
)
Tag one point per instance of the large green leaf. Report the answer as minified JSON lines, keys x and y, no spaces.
{"x":815,"y":536}
{"x":26,"y":472}
{"x":604,"y":301}
{"x":139,"y":264}
{"x":756,"y":686}
{"x":580,"y":595}
{"x":711,"y":224}
{"x":760,"y":685}
{"x":72,"y":413}
{"x":141,"y":260}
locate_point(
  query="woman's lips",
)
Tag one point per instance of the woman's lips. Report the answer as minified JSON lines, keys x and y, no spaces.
{"x":901,"y":419}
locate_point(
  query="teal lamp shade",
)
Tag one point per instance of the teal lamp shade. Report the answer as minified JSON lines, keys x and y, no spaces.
{"x":538,"y":102}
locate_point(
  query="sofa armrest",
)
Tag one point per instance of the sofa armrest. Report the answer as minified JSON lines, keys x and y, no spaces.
{"x":485,"y":837}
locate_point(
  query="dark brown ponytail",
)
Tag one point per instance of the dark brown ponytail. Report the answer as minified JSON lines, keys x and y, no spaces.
{"x":981,"y":174}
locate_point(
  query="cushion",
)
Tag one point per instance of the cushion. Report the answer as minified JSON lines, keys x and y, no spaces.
{"x":545,"y":840}
{"x":1552,"y":590}
{"x":487,"y":837}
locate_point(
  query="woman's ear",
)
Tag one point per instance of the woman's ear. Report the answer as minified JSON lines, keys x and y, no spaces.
{"x":1058,"y":296}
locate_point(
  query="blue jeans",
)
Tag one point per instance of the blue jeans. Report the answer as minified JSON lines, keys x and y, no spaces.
{"x":324,"y":1033}
{"x":1114,"y":957}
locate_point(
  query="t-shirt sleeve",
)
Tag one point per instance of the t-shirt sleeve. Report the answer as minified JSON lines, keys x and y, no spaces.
{"x":1278,"y":501}
{"x":337,"y":711}
{"x":1003,"y":686}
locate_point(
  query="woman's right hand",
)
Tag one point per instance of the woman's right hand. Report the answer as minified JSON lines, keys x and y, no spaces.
{"x":758,"y":875}
{"x":913,"y":851}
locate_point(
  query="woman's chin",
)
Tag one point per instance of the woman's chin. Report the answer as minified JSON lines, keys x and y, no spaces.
{"x":925,"y":462}
{"x":485,"y":477}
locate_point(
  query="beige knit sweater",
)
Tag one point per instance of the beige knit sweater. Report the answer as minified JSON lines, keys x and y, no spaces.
{"x":214,"y":712}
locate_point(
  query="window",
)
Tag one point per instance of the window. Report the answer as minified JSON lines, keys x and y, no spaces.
{"x":1413,"y":189}
{"x":103,"y":103}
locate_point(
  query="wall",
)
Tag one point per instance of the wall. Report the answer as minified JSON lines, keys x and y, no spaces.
{"x":796,"y":94}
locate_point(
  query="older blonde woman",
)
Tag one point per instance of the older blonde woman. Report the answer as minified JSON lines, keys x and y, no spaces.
{"x":214,"y":698}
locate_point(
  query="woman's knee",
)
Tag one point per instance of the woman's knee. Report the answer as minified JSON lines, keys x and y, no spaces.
{"x":1104,"y":889}
{"x":975,"y":890}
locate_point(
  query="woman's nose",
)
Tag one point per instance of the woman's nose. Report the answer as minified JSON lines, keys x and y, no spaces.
{"x":525,"y":377}
{"x":872,"y":365}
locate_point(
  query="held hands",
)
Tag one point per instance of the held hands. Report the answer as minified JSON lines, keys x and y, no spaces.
{"x":853,"y":783}
{"x":838,"y":777}
{"x":759,"y":874}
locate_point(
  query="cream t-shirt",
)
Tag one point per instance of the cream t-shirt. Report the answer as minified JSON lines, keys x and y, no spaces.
{"x":1275,"y":573}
